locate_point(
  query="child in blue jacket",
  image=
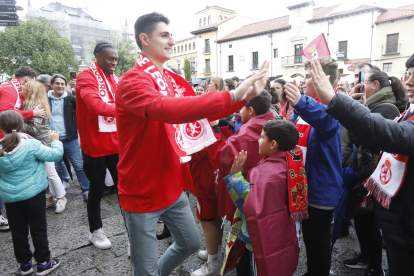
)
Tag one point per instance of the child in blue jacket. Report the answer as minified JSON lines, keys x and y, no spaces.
{"x":320,"y":140}
{"x":22,"y":188}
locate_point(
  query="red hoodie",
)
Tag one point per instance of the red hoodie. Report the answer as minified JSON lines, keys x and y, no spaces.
{"x":151,"y":176}
{"x":88,"y":106}
{"x":8,"y":98}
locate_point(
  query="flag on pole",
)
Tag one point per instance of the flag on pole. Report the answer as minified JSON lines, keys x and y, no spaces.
{"x":86,"y":8}
{"x":317,"y":48}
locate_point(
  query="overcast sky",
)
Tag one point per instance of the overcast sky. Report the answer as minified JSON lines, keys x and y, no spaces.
{"x":182,"y":12}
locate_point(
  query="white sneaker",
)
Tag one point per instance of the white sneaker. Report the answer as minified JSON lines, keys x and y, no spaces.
{"x":99,"y":239}
{"x":65,"y":185}
{"x":202,"y":254}
{"x":206,"y":270}
{"x":61,"y":205}
{"x":4,"y":223}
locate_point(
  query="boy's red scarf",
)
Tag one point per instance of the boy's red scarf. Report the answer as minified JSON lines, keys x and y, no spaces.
{"x":188,"y":138}
{"x":19,"y":102}
{"x":388,"y":176}
{"x":105,"y":124}
{"x":304,"y":129}
{"x":297,"y":185}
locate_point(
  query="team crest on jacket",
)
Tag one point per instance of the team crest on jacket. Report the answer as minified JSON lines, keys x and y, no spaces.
{"x":109,"y":120}
{"x":193,"y":130}
{"x":386,"y":174}
{"x":179,"y":139}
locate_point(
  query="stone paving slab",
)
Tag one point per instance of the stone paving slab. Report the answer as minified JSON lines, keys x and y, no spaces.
{"x":68,"y":241}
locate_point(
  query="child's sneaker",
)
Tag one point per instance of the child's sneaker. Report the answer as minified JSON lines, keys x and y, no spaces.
{"x":61,"y":205}
{"x":65,"y":185}
{"x":50,"y":203}
{"x":207,"y":270}
{"x":45,"y":269}
{"x":27,"y":268}
{"x":4,"y":223}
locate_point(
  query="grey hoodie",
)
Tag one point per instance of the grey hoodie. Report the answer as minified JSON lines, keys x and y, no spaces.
{"x":58,"y":121}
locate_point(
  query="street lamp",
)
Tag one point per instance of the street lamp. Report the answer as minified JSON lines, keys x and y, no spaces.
{"x":21,"y":58}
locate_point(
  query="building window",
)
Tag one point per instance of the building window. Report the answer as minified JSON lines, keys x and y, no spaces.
{"x":275,"y":53}
{"x":204,"y":21}
{"x":201,"y":23}
{"x":193,"y":45}
{"x":230,"y":46}
{"x":175,"y":50}
{"x":182,"y":48}
{"x":207,"y":46}
{"x":392,"y":44}
{"x":255,"y":59}
{"x":387,"y":67}
{"x":220,"y":17}
{"x":186,"y":47}
{"x":209,"y":20}
{"x":178,"y":50}
{"x":207,"y":69}
{"x":231,"y":68}
{"x":342,"y":49}
{"x":225,"y":17}
{"x":189,"y":46}
{"x":298,"y":55}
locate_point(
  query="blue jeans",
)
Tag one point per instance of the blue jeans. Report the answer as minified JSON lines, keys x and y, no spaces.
{"x":62,"y":172}
{"x":72,"y":151}
{"x":144,"y":244}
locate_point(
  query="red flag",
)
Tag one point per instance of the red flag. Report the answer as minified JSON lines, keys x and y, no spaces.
{"x":317,"y":48}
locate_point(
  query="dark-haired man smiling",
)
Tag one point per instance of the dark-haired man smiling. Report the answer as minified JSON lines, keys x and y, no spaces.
{"x":158,"y":126}
{"x":95,"y":99}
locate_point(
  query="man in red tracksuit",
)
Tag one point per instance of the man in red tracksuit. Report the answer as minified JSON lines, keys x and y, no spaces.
{"x":10,"y":98}
{"x":95,"y":109}
{"x":151,"y":176}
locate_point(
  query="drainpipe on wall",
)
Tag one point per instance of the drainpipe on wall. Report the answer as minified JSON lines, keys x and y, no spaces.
{"x":220,"y":62}
{"x":372,"y":34}
{"x":217,"y":55}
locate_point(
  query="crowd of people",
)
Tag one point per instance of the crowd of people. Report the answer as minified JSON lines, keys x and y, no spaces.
{"x":267,"y":157}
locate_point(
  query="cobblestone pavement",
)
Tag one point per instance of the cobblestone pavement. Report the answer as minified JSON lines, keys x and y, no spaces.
{"x":68,"y":241}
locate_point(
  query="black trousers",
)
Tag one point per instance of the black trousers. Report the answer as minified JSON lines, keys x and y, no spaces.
{"x":95,"y":170}
{"x":22,"y":215}
{"x":370,"y":239}
{"x":317,"y":236}
{"x":400,"y":258}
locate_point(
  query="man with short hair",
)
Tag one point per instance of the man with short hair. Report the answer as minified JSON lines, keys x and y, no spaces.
{"x":158,"y":127}
{"x":63,"y":108}
{"x":45,"y":80}
{"x":95,"y":97}
{"x":236,"y":81}
{"x":364,"y":67}
{"x":343,"y":86}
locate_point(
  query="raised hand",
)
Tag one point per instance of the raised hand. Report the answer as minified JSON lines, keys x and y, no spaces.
{"x":53,"y":135}
{"x":246,"y":89}
{"x":239,"y":162}
{"x":321,"y":83}
{"x":292,"y":93}
{"x":355,"y":95}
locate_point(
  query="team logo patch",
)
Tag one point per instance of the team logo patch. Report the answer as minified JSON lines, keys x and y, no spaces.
{"x":299,"y":195}
{"x":296,"y":157}
{"x":179,"y":139}
{"x":386,"y":174}
{"x":109,"y":120}
{"x":193,"y":130}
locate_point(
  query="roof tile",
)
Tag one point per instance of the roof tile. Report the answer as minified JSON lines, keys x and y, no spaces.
{"x":393,"y":14}
{"x":258,"y":28}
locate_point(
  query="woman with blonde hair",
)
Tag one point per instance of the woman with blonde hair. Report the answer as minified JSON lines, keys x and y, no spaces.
{"x":34,"y":94}
{"x":216,"y":83}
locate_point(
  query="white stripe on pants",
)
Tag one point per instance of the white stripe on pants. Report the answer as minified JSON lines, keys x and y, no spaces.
{"x":54,"y":180}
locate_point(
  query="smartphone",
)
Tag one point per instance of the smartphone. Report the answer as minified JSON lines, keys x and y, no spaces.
{"x":72,"y":75}
{"x":361,"y":76}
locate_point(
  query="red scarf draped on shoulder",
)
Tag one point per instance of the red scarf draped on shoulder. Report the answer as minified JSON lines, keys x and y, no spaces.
{"x":188,"y":138}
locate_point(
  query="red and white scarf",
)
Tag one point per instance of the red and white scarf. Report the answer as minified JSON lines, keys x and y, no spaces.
{"x":188,"y":138}
{"x":105,"y":124}
{"x":304,"y":129}
{"x":388,"y":176}
{"x":19,"y":102}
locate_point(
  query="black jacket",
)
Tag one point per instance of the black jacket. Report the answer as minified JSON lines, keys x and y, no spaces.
{"x":386,"y":135}
{"x":69,"y":113}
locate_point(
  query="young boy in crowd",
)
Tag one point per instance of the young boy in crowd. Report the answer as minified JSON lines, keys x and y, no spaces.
{"x":253,"y":116}
{"x":321,"y":145}
{"x":271,"y":201}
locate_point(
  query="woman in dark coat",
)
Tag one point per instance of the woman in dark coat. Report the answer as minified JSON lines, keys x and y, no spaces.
{"x":395,"y":137}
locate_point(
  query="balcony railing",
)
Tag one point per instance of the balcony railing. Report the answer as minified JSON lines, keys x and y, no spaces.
{"x":254,"y":66}
{"x":341,"y":55}
{"x":206,"y":50}
{"x":293,"y":60}
{"x":206,"y":70}
{"x":391,"y":50}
